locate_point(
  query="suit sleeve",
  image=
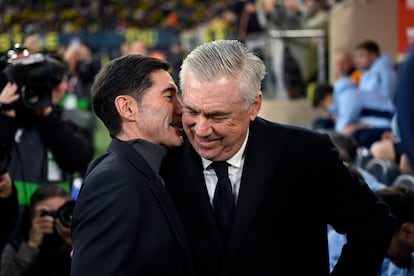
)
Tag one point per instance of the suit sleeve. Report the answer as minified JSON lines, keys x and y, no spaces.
{"x":105,"y":223}
{"x":356,"y":211}
{"x":404,"y":105}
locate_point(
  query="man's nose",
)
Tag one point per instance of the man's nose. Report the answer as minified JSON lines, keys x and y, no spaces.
{"x":202,"y":126}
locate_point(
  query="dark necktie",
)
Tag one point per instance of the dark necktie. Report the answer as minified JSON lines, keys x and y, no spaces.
{"x":223,"y":201}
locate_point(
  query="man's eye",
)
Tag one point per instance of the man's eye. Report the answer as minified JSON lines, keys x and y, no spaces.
{"x":219,"y":117}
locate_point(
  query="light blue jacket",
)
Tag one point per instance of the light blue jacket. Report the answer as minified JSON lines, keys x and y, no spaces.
{"x":380,"y":78}
{"x":351,"y":106}
{"x":336,"y":242}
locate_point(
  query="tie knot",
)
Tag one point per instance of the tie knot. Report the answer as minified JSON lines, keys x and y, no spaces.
{"x":220,"y":167}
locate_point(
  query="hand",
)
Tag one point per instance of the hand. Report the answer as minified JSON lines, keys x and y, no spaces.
{"x":64,"y":233}
{"x":8,"y":96}
{"x":44,"y":111}
{"x":5,"y":185}
{"x":41,"y":225}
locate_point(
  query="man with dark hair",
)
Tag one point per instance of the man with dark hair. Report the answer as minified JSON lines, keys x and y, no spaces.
{"x":378,"y":72}
{"x":44,"y":249}
{"x":124,"y":221}
{"x":400,"y":200}
{"x":399,"y":258}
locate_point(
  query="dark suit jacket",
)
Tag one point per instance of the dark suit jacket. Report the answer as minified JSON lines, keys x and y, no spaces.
{"x":404,"y":105}
{"x":124,"y":222}
{"x":292,"y":185}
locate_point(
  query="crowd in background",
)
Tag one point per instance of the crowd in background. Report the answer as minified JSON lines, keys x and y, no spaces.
{"x":69,"y":16}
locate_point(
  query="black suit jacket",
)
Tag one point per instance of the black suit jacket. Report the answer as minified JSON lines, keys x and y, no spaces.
{"x":292,"y":186}
{"x":124,"y":222}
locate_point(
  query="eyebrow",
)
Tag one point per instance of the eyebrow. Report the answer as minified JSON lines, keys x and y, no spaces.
{"x":208,"y":114}
{"x":169,"y":89}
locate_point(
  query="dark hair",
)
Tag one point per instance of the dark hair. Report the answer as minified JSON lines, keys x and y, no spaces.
{"x":321,"y":91}
{"x":370,"y":46}
{"x":400,"y":200}
{"x":126,"y":75}
{"x":45,"y":192}
{"x":346,"y":145}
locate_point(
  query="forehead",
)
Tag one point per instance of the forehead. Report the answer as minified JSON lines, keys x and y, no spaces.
{"x":361,"y":52}
{"x":52,"y":202}
{"x":161,"y":81}
{"x":220,"y":92}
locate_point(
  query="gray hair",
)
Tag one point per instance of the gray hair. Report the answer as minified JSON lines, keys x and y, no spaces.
{"x":228,"y":58}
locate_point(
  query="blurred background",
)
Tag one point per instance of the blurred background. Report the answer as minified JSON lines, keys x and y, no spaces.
{"x":296,"y":38}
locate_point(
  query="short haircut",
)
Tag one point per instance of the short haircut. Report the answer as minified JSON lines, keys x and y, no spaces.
{"x":45,"y":192}
{"x":369,"y":45}
{"x":126,"y":75}
{"x":228,"y":58}
{"x":321,"y":91}
{"x":400,"y":200}
{"x":346,"y":145}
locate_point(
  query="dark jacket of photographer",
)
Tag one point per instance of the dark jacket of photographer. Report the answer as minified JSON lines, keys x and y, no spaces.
{"x":30,"y":137}
{"x":8,"y":216}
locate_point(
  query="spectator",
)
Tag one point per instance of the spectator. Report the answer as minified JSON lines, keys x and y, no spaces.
{"x":44,"y":249}
{"x":76,"y":102}
{"x":363,"y":116}
{"x":344,"y":67}
{"x":393,"y":147}
{"x":378,"y":71}
{"x":399,"y":260}
{"x":347,"y":148}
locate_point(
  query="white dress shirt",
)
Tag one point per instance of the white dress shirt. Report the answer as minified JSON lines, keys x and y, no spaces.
{"x":235,"y":172}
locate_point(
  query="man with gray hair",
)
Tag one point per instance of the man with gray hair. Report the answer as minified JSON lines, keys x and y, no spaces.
{"x":250,"y":192}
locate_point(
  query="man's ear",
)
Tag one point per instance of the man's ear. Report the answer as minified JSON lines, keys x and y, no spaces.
{"x":407,"y":231}
{"x":127,"y":107}
{"x":255,"y":107}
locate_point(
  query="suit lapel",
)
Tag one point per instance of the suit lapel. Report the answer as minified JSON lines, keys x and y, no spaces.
{"x":199,"y":199}
{"x":261,"y":157}
{"x":169,"y":210}
{"x":159,"y":191}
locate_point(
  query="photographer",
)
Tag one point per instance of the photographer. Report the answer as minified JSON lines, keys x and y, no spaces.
{"x":45,"y":247}
{"x":45,"y":147}
{"x":8,"y":199}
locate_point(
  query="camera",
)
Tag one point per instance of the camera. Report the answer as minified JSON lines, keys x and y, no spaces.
{"x":4,"y":159}
{"x":63,"y":214}
{"x":35,"y":74}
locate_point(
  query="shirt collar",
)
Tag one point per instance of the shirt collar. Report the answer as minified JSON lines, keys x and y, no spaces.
{"x":152,"y":153}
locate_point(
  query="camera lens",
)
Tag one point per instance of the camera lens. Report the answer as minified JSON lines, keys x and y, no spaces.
{"x":65,"y":213}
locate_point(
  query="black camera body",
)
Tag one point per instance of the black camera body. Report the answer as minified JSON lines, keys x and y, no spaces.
{"x":35,"y":74}
{"x":63,"y":214}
